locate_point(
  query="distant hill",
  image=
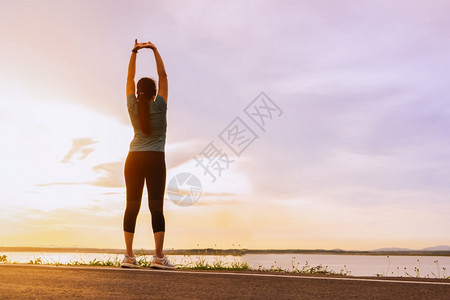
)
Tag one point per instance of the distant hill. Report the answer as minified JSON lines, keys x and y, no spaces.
{"x":393,"y":249}
{"x":437,"y":248}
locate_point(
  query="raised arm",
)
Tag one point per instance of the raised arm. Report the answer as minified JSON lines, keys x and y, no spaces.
{"x":131,"y":86}
{"x":163,"y":86}
{"x":131,"y":73}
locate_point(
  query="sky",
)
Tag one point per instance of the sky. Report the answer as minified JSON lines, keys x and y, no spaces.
{"x":355,"y":153}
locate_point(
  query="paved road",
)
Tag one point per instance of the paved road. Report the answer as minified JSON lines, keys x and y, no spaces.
{"x":56,"y":282}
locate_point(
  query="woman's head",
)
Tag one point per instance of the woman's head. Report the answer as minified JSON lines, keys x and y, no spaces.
{"x":146,"y":89}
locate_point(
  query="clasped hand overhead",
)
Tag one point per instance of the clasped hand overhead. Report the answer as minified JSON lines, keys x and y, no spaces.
{"x":138,"y":46}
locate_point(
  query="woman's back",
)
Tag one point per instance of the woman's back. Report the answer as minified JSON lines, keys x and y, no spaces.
{"x":158,"y":121}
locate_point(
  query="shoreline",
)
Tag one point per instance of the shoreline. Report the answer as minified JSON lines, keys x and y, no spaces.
{"x":234,"y":252}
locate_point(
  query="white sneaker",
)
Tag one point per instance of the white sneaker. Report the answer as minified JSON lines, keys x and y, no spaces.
{"x":161,"y":263}
{"x":129,"y":262}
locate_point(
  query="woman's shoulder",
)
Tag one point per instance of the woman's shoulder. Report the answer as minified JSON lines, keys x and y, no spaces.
{"x":132,"y":103}
{"x":161,"y":102}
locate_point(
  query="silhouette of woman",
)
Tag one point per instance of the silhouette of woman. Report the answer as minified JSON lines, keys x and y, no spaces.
{"x":146,"y":158}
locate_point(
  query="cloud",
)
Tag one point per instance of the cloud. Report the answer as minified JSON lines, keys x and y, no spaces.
{"x":110,"y":174}
{"x":210,"y":198}
{"x":79,"y":149}
{"x":180,"y":152}
{"x":59,"y":183}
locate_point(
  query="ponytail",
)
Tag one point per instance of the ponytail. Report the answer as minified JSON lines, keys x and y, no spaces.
{"x":148,"y":87}
{"x":144,"y":117}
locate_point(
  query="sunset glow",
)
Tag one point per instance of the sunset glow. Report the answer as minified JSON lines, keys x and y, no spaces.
{"x":358,"y":159}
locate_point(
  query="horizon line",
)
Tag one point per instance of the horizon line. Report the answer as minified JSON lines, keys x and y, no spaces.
{"x":231,"y":250}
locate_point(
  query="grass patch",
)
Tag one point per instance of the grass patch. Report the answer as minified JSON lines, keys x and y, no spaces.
{"x":218,"y":264}
{"x":144,"y":261}
{"x":441,"y":272}
{"x":188,"y":262}
{"x":305,"y":269}
{"x":221,"y":263}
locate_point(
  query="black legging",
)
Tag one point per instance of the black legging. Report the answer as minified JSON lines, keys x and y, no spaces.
{"x":148,"y":166}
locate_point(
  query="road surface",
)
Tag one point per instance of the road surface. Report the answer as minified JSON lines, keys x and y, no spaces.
{"x":57,"y":282}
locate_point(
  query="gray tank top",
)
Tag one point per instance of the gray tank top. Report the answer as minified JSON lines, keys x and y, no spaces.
{"x":158,"y":121}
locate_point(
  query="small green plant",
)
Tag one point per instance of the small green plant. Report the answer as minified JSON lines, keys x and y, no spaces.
{"x":308,"y":269}
{"x":142,"y":261}
{"x":239,"y":266}
{"x":77,"y":263}
{"x":218,"y":264}
{"x":417,"y":269}
{"x":4,"y":259}
{"x":444,"y":273}
{"x":344,"y":271}
{"x":438,"y":269}
{"x":105,"y":263}
{"x":389,"y":265}
{"x":37,"y":261}
{"x":276,"y":268}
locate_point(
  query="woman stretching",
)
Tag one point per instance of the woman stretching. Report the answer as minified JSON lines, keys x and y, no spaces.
{"x":146,"y":159}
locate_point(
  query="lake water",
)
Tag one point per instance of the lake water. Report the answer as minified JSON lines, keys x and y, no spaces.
{"x":356,"y":265}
